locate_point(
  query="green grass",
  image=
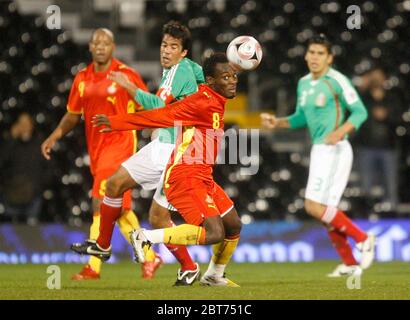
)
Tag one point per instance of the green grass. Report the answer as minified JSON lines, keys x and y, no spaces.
{"x":258,"y":281}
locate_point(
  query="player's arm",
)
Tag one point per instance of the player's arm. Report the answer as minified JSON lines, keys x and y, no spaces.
{"x":147,"y":100}
{"x":294,"y":121}
{"x":67,"y":123}
{"x":358,"y":114}
{"x":140,"y":94}
{"x":269,"y":121}
{"x":181,"y":113}
{"x":70,"y":119}
{"x":179,"y":83}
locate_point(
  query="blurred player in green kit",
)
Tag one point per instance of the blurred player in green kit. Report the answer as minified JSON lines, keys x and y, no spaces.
{"x":323,"y":96}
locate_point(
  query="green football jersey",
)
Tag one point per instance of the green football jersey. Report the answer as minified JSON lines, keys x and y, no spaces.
{"x":177,"y":82}
{"x":322,"y":104}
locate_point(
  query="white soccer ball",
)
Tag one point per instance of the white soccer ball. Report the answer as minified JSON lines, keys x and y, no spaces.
{"x":244,"y":52}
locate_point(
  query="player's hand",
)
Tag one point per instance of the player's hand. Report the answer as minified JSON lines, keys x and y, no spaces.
{"x":46,"y":147}
{"x":334,"y":137}
{"x":101,"y":120}
{"x":268,"y":121}
{"x":119,"y":77}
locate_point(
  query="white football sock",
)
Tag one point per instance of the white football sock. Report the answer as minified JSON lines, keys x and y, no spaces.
{"x":216,"y":270}
{"x":155,"y":236}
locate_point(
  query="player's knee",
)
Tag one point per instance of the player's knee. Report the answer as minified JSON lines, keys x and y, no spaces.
{"x":309,"y":206}
{"x":216,"y":237}
{"x":159,"y":217}
{"x":114,"y":187}
{"x":214,"y":233}
{"x":312,"y":208}
{"x":234,"y":227}
{"x":153,"y":220}
{"x":156,"y":221}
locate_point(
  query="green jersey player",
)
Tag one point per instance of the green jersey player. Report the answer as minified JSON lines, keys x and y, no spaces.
{"x":323,"y":97}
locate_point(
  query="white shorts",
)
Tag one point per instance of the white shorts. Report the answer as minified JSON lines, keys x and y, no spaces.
{"x":329,"y":171}
{"x":147,"y":166}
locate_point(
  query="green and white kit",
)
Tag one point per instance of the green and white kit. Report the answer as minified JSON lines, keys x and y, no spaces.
{"x":322,"y":105}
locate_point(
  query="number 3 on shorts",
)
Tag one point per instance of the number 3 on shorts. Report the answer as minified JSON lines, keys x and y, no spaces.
{"x":215,"y":120}
{"x":318,"y":184}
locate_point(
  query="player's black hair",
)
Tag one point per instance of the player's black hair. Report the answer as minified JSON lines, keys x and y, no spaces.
{"x":210,"y":63}
{"x":178,"y":31}
{"x":321,"y":39}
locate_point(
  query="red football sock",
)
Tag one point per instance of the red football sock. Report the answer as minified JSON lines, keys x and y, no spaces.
{"x":110,"y":212}
{"x":181,"y":254}
{"x":343,"y":224}
{"x":342,"y":247}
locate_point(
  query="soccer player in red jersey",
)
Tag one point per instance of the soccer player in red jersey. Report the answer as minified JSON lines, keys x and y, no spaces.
{"x":93,"y":93}
{"x":180,"y":78}
{"x":189,"y":186}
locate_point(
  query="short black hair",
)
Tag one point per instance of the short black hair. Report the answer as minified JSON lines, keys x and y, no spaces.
{"x":178,"y":31}
{"x":322,"y":40}
{"x":211,"y":62}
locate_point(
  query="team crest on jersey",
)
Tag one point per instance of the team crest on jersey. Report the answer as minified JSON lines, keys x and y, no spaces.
{"x":112,"y":88}
{"x":210,"y":202}
{"x":320,"y":100}
{"x":209,"y":199}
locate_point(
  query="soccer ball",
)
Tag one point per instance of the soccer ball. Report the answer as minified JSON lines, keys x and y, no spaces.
{"x":244,"y":52}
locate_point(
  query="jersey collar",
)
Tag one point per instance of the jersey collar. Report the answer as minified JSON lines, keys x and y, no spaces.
{"x":114,"y":64}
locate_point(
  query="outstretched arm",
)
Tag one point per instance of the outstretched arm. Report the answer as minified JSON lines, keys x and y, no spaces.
{"x":181,"y":113}
{"x":269,"y":121}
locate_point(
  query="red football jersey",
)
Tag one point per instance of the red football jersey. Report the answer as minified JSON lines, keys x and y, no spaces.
{"x":201,"y":117}
{"x":93,"y":93}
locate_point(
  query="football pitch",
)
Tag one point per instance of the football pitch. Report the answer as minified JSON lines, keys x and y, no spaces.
{"x":260,"y":281}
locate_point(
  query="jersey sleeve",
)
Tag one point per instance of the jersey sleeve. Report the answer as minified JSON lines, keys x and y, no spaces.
{"x":74,"y":104}
{"x":148,"y":100}
{"x":181,"y":113}
{"x":179,"y":83}
{"x":351,"y":99}
{"x":297,"y":119}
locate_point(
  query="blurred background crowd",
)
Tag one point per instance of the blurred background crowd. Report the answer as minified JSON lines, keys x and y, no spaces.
{"x":37,"y":66}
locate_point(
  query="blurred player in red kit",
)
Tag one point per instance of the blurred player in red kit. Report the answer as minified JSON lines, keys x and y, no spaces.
{"x":93,"y":93}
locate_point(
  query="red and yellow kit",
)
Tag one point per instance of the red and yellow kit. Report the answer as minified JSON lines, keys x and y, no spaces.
{"x":93,"y":93}
{"x":188,"y":183}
